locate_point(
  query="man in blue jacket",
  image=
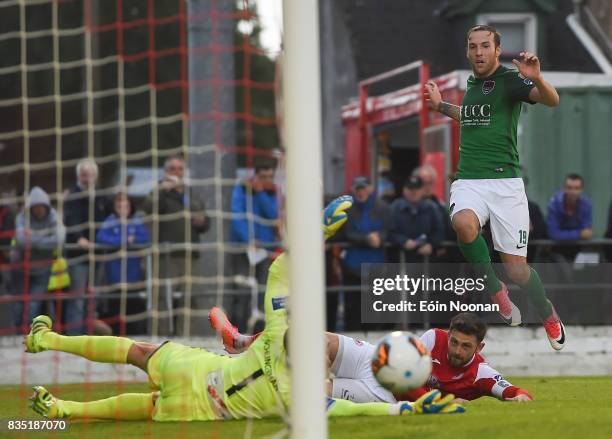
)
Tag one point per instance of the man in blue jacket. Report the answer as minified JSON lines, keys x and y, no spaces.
{"x":570,"y":215}
{"x":254,"y":226}
{"x":570,"y":212}
{"x":255,"y":198}
{"x":366,"y":230}
{"x":416,"y":225}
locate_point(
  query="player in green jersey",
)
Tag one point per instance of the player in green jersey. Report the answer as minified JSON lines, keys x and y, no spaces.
{"x":489,"y":186}
{"x":193,"y":384}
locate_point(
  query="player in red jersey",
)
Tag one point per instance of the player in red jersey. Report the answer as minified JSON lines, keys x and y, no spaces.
{"x":458,"y":367}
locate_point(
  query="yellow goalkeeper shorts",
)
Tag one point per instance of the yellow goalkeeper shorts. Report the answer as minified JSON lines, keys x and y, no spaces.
{"x":179,"y":373}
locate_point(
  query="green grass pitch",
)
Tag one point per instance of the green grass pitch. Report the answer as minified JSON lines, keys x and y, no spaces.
{"x":564,"y":408}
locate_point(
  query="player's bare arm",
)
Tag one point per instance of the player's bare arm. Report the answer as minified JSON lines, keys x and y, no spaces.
{"x":529,"y":66}
{"x":435,"y":102}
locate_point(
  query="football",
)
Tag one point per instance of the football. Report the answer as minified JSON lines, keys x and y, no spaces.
{"x":400,"y":362}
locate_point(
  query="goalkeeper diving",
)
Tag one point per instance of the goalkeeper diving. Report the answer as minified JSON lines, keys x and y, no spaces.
{"x":193,"y":384}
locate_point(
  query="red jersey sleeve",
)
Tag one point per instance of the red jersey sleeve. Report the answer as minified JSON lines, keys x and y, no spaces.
{"x":490,"y":382}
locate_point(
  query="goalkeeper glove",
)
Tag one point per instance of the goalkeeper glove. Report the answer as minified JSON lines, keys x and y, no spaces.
{"x":334,"y":215}
{"x":431,"y":403}
{"x":45,"y":404}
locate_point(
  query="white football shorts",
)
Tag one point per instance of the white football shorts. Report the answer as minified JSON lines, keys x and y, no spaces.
{"x":502,"y":202}
{"x":352,"y":369}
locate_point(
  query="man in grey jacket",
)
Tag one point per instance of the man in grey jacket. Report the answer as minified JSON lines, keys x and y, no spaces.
{"x":39,"y":233}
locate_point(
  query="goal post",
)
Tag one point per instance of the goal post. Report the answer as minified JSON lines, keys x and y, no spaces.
{"x":302,"y":133}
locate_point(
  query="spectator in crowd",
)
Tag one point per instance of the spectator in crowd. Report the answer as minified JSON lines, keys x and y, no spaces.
{"x":254,"y":225}
{"x":38,"y":236}
{"x":416,"y":226}
{"x":84,"y":210}
{"x":570,"y":215}
{"x":537,"y":223}
{"x":537,"y":227}
{"x":608,"y":234}
{"x":179,"y":216}
{"x":429,"y":177}
{"x":385,"y":189}
{"x":570,"y":212}
{"x":366,"y":230}
{"x":121,"y":230}
{"x":7,"y":232}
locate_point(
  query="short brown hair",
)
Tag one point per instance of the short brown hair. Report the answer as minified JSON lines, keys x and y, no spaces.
{"x":574,"y":176}
{"x":124,"y":196}
{"x":486,"y":28}
{"x":470,"y":324}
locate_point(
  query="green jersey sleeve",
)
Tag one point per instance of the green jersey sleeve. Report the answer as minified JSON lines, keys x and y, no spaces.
{"x":277,"y":294}
{"x":519,"y":87}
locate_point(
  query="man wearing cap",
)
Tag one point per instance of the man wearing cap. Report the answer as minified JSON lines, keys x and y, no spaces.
{"x":416,"y":225}
{"x":366,"y":231}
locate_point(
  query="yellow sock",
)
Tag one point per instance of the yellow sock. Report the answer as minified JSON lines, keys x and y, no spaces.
{"x":103,"y":349}
{"x":342,"y":407}
{"x":125,"y":407}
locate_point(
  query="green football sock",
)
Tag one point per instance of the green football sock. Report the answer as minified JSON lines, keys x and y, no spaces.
{"x":125,"y":407}
{"x":477,"y":253}
{"x":103,"y":349}
{"x":535,"y":290}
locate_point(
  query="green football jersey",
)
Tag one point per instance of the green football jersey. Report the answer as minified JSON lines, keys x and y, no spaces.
{"x":256,"y":383}
{"x":490,"y":112}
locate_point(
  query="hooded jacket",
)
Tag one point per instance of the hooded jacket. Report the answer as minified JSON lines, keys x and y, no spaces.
{"x":40,"y":237}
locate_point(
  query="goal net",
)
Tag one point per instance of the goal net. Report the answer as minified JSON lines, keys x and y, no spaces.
{"x":142,"y":122}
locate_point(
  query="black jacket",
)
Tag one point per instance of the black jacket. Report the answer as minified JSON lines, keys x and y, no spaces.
{"x":173,"y":202}
{"x":410,"y":222}
{"x":77,"y":220}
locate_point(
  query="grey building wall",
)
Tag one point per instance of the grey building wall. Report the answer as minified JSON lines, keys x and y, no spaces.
{"x":338,"y":84}
{"x":573,"y":137}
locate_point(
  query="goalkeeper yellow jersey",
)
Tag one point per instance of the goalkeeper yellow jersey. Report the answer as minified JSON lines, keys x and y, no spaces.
{"x":196,"y":384}
{"x":257,"y":381}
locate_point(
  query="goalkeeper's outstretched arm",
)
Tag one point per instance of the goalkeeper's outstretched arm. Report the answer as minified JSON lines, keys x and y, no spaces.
{"x":277,"y":286}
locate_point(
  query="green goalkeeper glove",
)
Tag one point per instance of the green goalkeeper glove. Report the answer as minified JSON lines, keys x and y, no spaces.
{"x":334,"y":215}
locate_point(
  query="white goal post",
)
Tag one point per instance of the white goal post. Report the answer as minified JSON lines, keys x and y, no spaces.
{"x":302,"y":133}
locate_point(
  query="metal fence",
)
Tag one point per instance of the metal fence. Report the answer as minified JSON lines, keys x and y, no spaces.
{"x":228,"y":283}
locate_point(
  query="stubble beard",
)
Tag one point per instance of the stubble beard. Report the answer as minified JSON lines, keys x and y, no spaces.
{"x":488,"y":72}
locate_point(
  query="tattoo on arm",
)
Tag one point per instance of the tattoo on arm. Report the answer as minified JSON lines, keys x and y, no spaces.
{"x":450,"y":110}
